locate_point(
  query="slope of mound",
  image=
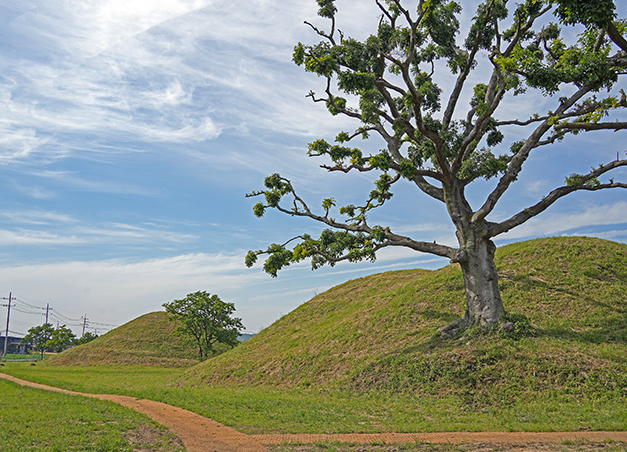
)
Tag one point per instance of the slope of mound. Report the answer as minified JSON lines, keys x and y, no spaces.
{"x":148,"y":340}
{"x":380,"y":332}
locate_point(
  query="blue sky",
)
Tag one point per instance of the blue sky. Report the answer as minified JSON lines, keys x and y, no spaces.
{"x":131,"y":131}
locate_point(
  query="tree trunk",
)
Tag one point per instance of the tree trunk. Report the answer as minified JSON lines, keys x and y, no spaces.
{"x":483,"y":298}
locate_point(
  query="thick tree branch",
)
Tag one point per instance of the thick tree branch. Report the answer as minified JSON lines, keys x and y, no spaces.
{"x":477,"y":131}
{"x":516,"y":122}
{"x":461,"y":79}
{"x":459,"y":85}
{"x":517,"y":161}
{"x":591,"y":126}
{"x":547,"y":201}
{"x":615,"y":35}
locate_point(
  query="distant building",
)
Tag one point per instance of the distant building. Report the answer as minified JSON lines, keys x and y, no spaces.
{"x":14,"y":345}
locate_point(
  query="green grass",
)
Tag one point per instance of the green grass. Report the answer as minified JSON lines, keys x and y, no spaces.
{"x":297,"y":410}
{"x":124,"y":380}
{"x":365,"y":357}
{"x":12,"y":357}
{"x":148,"y":340}
{"x":39,"y":420}
{"x":379,"y":333}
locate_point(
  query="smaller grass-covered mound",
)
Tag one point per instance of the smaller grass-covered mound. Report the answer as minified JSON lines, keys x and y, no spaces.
{"x":567,"y":298}
{"x":148,"y":340}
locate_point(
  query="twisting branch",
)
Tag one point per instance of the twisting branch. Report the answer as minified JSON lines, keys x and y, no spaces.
{"x":616,"y":126}
{"x":479,"y":129}
{"x":588,"y":182}
{"x":516,"y":122}
{"x":461,"y":79}
{"x":615,"y":35}
{"x":322,"y":33}
{"x":386,"y":13}
{"x":578,"y":110}
{"x":357,"y":224}
{"x":330,"y":99}
{"x":517,"y":161}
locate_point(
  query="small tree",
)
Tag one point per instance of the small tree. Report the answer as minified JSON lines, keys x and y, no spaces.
{"x":87,"y":337}
{"x":388,"y":83}
{"x":38,"y":336}
{"x":61,"y":339}
{"x":205,"y":319}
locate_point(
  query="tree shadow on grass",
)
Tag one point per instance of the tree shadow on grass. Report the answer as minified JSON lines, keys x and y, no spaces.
{"x":614,"y":331}
{"x":607,"y":326}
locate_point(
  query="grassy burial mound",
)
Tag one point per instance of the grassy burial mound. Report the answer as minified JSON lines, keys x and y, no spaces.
{"x":148,"y":341}
{"x":567,"y":298}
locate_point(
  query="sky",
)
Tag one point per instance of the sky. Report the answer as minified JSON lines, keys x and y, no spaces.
{"x":131,"y":131}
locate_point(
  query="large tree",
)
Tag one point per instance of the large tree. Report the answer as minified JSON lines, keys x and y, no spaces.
{"x":205,"y":319}
{"x":39,"y":336}
{"x":390,"y":86}
{"x":61,"y":339}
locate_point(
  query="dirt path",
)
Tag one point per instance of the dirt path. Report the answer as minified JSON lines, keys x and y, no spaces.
{"x":201,"y":434}
{"x":198,"y":433}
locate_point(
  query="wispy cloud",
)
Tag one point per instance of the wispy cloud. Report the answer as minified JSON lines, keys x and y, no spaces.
{"x":60,"y":229}
{"x":136,"y":287}
{"x":72,"y":179}
{"x":37,"y":217}
{"x":551,"y":224}
{"x":31,"y":237}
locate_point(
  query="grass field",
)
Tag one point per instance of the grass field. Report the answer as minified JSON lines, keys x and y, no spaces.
{"x":11,"y":357}
{"x":365,"y":356}
{"x":298,"y":410}
{"x":39,"y":420}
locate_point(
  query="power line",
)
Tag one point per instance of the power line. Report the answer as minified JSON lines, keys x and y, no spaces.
{"x":27,"y":307}
{"x":28,"y":304}
{"x":17,"y":308}
{"x":56,"y":312}
{"x":104,"y":324}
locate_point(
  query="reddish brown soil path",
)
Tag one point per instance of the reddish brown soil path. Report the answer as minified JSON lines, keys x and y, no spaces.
{"x":201,"y":434}
{"x":444,"y":437}
{"x":198,"y":433}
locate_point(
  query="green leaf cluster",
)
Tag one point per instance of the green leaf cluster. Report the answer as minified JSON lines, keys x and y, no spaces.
{"x":597,"y":13}
{"x":483,"y":163}
{"x":578,"y":180}
{"x":38,"y":336}
{"x":205,"y":319}
{"x":546,"y":62}
{"x":61,"y":339}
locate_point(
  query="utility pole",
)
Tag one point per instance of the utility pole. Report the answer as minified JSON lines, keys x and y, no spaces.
{"x":6,"y":335}
{"x":85,"y":319}
{"x":48,"y":308}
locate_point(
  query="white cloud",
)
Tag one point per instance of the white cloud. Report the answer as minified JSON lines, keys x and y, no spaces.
{"x":59,"y":229}
{"x":126,"y":289}
{"x":537,"y":188}
{"x":547,"y":224}
{"x":70,"y":178}
{"x":202,"y":130}
{"x":17,"y":142}
{"x":173,"y":95}
{"x":608,"y":235}
{"x":37,"y":217}
{"x":30,"y":237}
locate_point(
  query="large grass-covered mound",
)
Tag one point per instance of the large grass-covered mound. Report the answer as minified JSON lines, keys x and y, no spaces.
{"x":148,"y":341}
{"x":566,"y":296}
